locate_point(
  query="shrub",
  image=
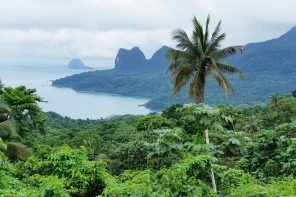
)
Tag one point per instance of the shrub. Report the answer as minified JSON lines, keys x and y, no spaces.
{"x":230,"y":179}
{"x":131,"y":183}
{"x":276,"y":189}
{"x":270,"y":156}
{"x":152,"y":122}
{"x":82,"y":177}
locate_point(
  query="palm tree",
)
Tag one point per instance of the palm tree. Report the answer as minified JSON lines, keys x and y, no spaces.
{"x":7,"y":124}
{"x":197,"y":57}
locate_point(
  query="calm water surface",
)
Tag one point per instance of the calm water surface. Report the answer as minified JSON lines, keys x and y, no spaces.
{"x":66,"y":101}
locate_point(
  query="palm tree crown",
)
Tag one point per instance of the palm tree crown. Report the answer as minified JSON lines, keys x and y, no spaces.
{"x":7,"y":124}
{"x":199,"y":56}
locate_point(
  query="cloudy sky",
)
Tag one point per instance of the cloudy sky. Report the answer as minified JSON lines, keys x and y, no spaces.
{"x":54,"y":31}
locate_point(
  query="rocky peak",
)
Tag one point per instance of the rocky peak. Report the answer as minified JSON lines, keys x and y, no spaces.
{"x":129,"y":59}
{"x":159,"y":59}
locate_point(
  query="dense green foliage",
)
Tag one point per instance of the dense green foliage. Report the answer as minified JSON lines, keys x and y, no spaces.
{"x":270,"y":156}
{"x":252,"y":152}
{"x":24,"y":109}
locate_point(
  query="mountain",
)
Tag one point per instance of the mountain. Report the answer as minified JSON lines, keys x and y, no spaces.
{"x":159,"y":61}
{"x":269,"y":66}
{"x":134,"y":60}
{"x":78,"y":64}
{"x":276,"y":54}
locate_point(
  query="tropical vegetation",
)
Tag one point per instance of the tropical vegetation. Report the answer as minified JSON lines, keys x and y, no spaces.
{"x":251,"y":151}
{"x":156,"y":155}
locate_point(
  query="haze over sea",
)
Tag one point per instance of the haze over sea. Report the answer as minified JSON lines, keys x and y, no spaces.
{"x":68,"y":102}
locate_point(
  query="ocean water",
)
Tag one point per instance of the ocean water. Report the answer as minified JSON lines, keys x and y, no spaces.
{"x":65,"y":101}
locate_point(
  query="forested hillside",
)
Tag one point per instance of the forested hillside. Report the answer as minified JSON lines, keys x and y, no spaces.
{"x":265,"y":64}
{"x":252,"y":150}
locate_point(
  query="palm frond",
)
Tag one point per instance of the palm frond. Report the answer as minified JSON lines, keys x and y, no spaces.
{"x":228,"y":51}
{"x":207,"y":29}
{"x":230,"y":69}
{"x":7,"y":126}
{"x":222,"y":81}
{"x":215,"y":44}
{"x":175,"y":56}
{"x":219,"y":77}
{"x":216,"y":32}
{"x":199,"y":48}
{"x":16,"y":151}
{"x":182,"y":39}
{"x":181,"y":76}
{"x":198,"y":37}
{"x":8,"y":129}
{"x":197,"y":30}
{"x":4,"y":108}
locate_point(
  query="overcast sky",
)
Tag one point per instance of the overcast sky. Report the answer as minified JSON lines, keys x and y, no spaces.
{"x":54,"y":31}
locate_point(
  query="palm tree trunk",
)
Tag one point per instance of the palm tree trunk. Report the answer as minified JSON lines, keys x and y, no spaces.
{"x":212,"y":171}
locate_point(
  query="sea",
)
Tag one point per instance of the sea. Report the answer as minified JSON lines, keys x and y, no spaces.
{"x":65,"y":101}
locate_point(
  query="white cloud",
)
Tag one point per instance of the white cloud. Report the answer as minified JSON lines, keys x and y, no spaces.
{"x":68,"y":43}
{"x":96,"y":29}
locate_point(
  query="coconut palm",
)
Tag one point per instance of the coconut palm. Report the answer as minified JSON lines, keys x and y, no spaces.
{"x":7,"y":124}
{"x":197,"y":57}
{"x":13,"y":150}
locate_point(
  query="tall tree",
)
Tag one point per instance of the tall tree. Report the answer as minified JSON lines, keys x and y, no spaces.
{"x":197,"y":57}
{"x":23,"y":104}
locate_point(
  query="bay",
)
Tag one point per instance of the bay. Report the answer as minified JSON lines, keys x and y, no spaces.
{"x":68,"y":102}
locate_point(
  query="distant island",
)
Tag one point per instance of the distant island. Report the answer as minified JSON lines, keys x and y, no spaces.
{"x":78,"y":64}
{"x":269,"y":67}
